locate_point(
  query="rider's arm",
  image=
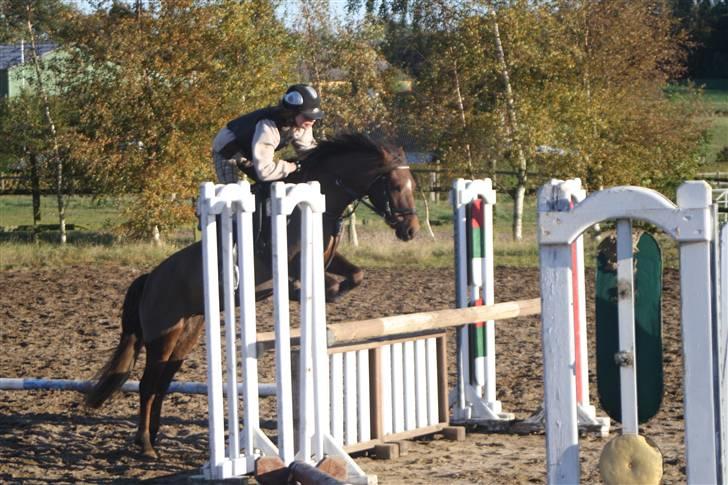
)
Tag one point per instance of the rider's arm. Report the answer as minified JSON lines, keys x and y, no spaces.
{"x":303,"y":139}
{"x":265,"y":140}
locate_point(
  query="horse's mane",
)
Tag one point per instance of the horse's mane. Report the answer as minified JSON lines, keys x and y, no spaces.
{"x":348,"y":152}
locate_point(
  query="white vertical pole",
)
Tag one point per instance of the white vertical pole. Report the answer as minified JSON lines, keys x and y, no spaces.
{"x":350,"y":397}
{"x":723,"y":348}
{"x":461,"y":291}
{"x":337,"y":396}
{"x":562,"y":445}
{"x":230,"y":332}
{"x":627,"y":348}
{"x":700,"y":425}
{"x":362,"y":357}
{"x":410,"y":416}
{"x":212,"y":331}
{"x":386,"y":380}
{"x":433,"y":410}
{"x":305,"y":422}
{"x":701,"y":436}
{"x":282,"y":324}
{"x":580,"y":304}
{"x":248,"y":332}
{"x":488,"y":285}
{"x":421,"y":382}
{"x":557,"y":331}
{"x":320,"y":348}
{"x":398,"y":394}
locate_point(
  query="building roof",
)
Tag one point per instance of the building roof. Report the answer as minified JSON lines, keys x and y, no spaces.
{"x":10,"y":55}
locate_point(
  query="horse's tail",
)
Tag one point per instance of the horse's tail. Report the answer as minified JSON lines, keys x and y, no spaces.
{"x":116,"y":371}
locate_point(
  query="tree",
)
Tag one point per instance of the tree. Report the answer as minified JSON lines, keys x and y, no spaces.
{"x":344,"y":61}
{"x":153,"y":86}
{"x":48,"y":17}
{"x":33,"y":20}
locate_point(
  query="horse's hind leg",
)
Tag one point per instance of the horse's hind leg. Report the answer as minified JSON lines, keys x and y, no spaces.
{"x":158,"y":354}
{"x":185,"y":343}
{"x":170,"y":369}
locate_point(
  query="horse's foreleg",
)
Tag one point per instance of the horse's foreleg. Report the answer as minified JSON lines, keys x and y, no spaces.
{"x":353,"y":276}
{"x":158,"y":353}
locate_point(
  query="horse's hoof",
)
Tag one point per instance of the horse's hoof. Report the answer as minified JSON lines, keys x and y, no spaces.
{"x":149,"y":454}
{"x":146,"y":450}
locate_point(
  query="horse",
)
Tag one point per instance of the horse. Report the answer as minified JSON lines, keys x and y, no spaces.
{"x":163,"y":310}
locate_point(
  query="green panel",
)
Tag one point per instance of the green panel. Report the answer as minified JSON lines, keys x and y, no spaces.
{"x":648,"y":328}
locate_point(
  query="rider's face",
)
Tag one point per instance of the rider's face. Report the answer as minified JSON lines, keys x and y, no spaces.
{"x":303,"y":122}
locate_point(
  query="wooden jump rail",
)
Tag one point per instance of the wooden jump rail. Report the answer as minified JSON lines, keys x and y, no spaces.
{"x":400,"y":325}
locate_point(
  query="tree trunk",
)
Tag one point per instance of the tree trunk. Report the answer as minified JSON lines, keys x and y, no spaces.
{"x":351,"y":228}
{"x":427,"y":215}
{"x":308,"y":14}
{"x":461,"y":106}
{"x":52,"y":129}
{"x":518,"y":202}
{"x":512,"y":126}
{"x":156,"y":237}
{"x":35,"y":191}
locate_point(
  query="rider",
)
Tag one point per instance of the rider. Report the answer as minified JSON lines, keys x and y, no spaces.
{"x":249,"y":143}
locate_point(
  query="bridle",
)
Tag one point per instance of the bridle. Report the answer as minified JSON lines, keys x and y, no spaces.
{"x":389,"y":213}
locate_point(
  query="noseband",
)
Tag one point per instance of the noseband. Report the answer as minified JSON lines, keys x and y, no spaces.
{"x":388,"y":212}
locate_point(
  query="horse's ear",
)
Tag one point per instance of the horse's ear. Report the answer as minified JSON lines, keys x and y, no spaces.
{"x":394,"y":155}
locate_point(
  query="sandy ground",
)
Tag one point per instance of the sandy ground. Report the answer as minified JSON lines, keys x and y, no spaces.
{"x":62,"y":324}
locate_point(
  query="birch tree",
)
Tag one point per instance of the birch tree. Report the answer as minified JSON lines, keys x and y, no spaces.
{"x":52,"y":134}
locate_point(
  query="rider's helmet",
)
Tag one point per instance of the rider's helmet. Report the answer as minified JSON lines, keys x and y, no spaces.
{"x":303,"y":99}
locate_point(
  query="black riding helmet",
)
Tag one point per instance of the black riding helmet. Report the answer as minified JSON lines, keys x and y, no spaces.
{"x":303,"y":99}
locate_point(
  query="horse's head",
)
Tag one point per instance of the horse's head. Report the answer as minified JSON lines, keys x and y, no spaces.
{"x":392,"y":195}
{"x":363,"y":168}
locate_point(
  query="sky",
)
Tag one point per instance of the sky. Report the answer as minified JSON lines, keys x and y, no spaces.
{"x":337,"y":7}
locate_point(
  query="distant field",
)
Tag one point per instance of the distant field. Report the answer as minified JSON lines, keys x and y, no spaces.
{"x":378,"y":246}
{"x":83,"y":211}
{"x":715,"y":92}
{"x":715,"y":95}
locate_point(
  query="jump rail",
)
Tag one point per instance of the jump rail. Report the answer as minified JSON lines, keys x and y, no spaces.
{"x":411,"y":323}
{"x":27,"y":384}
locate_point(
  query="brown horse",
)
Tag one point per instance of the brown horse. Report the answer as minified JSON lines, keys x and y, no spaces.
{"x":163,"y":310}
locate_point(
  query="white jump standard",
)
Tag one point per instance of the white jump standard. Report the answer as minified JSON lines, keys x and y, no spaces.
{"x":690,"y":224}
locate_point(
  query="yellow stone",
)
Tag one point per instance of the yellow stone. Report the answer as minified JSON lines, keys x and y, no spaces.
{"x":631,"y":459}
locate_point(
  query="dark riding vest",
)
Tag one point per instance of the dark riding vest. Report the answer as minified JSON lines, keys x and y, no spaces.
{"x":244,"y":130}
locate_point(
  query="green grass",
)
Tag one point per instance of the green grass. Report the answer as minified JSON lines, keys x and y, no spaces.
{"x":715,"y":99}
{"x":15,"y":255}
{"x":82,"y":211}
{"x":715,"y":96}
{"x":717,"y":141}
{"x":378,"y":246}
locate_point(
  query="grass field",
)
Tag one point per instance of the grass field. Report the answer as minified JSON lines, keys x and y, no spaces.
{"x":715,"y":96}
{"x":82,"y":211}
{"x":92,"y":240}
